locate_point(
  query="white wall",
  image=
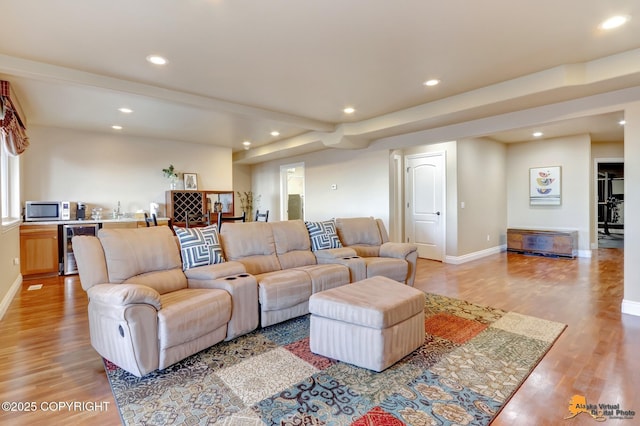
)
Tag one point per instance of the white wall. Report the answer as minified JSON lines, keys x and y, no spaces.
{"x":102,"y":169}
{"x":361,"y":177}
{"x":573,"y":154}
{"x":482,"y":187}
{"x":10,"y":277}
{"x":242,"y":184}
{"x":631,"y":302}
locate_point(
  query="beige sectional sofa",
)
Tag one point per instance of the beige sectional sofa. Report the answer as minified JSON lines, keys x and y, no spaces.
{"x":149,"y":309}
{"x":279,"y":255}
{"x":144,"y":314}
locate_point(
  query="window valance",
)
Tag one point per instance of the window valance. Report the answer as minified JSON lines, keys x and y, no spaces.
{"x":12,"y":124}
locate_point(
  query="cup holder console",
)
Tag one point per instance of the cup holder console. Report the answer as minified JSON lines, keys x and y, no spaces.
{"x":237,"y":276}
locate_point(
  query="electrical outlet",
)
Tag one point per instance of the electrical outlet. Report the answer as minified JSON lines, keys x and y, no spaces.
{"x":488,"y":237}
{"x":16,"y":260}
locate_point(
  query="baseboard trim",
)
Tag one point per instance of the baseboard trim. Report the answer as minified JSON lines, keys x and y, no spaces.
{"x":631,"y":307}
{"x":584,"y":253}
{"x":8,"y":298}
{"x":457,"y":260}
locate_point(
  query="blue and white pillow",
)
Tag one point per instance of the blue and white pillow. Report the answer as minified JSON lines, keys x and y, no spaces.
{"x":199,"y":246}
{"x":323,"y":235}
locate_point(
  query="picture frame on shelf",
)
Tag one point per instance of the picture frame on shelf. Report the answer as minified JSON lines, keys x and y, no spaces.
{"x":545,"y":186}
{"x":226,"y":201}
{"x":190,"y":181}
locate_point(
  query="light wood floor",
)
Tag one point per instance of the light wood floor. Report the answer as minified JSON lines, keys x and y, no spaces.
{"x":46,"y":357}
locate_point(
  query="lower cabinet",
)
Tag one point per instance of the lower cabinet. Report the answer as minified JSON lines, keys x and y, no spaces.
{"x":39,"y":250}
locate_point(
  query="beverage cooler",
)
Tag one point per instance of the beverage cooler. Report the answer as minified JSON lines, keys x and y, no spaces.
{"x":67,"y":260}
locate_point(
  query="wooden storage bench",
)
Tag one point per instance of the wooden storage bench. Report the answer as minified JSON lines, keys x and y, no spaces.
{"x":546,"y":243}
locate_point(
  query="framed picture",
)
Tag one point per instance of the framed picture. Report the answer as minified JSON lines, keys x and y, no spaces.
{"x":190,"y":181}
{"x":545,"y":186}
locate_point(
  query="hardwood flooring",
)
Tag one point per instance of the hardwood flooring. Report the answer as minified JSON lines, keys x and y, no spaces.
{"x":46,"y":356}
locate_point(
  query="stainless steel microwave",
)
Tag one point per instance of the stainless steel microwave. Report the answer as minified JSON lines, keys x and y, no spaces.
{"x":42,"y":211}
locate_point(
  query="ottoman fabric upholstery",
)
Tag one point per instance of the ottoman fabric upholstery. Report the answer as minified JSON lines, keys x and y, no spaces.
{"x":372,"y":323}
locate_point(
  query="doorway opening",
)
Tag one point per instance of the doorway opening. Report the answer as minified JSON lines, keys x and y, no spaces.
{"x":292,"y":191}
{"x":610,"y":187}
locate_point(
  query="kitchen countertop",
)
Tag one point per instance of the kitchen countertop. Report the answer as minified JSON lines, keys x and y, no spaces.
{"x":88,"y":221}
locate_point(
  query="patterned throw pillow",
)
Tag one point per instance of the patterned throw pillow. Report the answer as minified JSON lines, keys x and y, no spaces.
{"x":199,"y":246}
{"x":323,"y":235}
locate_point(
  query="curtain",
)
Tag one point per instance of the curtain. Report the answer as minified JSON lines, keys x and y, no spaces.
{"x":11,"y":125}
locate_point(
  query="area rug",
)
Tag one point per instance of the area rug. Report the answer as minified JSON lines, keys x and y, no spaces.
{"x":472,"y":361}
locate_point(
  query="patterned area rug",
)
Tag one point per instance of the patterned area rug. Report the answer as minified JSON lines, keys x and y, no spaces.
{"x":473,"y":359}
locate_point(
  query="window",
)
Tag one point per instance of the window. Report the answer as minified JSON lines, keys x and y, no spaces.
{"x":9,"y":185}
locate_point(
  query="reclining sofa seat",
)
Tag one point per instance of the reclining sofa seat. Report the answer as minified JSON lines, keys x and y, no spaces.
{"x":279,"y":255}
{"x":143,"y":315}
{"x":369,"y":238}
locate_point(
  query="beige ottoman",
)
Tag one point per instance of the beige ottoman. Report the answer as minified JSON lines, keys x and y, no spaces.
{"x":372,"y":323}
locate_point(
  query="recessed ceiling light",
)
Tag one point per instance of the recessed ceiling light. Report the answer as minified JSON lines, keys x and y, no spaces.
{"x":157,"y":60}
{"x":246,"y":143}
{"x":125,"y":110}
{"x":537,"y":134}
{"x":275,"y":133}
{"x":116,"y":127}
{"x":614,"y":22}
{"x":622,"y":122}
{"x":349,"y":110}
{"x":432,"y":82}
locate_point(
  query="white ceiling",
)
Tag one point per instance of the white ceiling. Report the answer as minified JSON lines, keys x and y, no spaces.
{"x":239,"y":69}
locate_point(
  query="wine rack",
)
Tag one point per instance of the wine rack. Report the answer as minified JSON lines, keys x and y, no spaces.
{"x":184,"y":202}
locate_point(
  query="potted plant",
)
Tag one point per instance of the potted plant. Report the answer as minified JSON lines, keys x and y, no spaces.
{"x":172,"y":175}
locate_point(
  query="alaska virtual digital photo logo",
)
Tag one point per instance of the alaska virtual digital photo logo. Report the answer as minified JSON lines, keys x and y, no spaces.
{"x":600,"y":412}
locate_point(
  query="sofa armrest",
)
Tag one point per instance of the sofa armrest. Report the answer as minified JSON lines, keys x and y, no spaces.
{"x":215,"y":271}
{"x":344,"y":256}
{"x":397,"y":250}
{"x":334,"y":255}
{"x":124,"y":294}
{"x":243,"y":289}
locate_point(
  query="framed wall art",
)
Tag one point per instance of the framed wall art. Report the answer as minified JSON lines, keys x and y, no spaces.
{"x":190,"y":181}
{"x":545,"y":186}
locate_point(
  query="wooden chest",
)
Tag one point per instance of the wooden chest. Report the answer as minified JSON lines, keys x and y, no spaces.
{"x":547,"y":243}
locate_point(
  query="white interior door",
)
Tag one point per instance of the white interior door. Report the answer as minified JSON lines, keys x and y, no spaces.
{"x":425,"y":204}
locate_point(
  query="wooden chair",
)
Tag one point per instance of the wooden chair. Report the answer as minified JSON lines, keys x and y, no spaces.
{"x":221,"y":219}
{"x":153,"y":220}
{"x":198,"y":219}
{"x":262,"y":217}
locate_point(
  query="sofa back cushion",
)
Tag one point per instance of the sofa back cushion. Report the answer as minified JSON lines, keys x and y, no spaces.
{"x":89,"y":255}
{"x":252,"y":244}
{"x":359,"y":231}
{"x":143,"y":251}
{"x":293,"y":245}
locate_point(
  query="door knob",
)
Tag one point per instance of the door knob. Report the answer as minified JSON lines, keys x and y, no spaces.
{"x":438,"y":213}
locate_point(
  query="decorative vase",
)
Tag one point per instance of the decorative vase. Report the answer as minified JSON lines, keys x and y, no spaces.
{"x":173,"y":183}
